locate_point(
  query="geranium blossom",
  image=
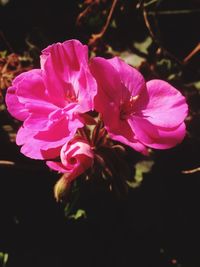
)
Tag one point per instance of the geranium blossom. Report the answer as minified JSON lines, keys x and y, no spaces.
{"x":76,"y":157}
{"x":50,"y":100}
{"x":136,"y":113}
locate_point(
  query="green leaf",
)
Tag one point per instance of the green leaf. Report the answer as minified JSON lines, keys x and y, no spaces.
{"x":193,"y":85}
{"x":132,"y":59}
{"x":70,"y":206}
{"x":3,"y":259}
{"x":72,"y":210}
{"x":141,"y":167}
{"x":166,"y":63}
{"x":128,"y":56}
{"x":79,"y":214}
{"x":143,"y":46}
{"x":197,"y":85}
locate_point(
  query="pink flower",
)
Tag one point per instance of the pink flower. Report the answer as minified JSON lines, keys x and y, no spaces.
{"x":136,"y":113}
{"x":76,"y":157}
{"x":50,"y":100}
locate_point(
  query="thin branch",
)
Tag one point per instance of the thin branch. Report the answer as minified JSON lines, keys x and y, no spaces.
{"x":85,"y":12}
{"x":108,"y":18}
{"x":7,"y":163}
{"x":153,"y":35}
{"x":173,"y":12}
{"x":19,"y":166}
{"x":192,"y":53}
{"x":150,"y":3}
{"x":191,"y":171}
{"x":97,"y":36}
{"x":145,"y":15}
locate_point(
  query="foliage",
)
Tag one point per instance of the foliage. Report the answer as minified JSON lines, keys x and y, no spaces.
{"x":3,"y":259}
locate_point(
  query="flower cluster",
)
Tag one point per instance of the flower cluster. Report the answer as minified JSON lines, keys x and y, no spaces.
{"x":73,"y":108}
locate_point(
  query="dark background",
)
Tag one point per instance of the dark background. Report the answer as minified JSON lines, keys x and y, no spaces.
{"x":155,"y":225}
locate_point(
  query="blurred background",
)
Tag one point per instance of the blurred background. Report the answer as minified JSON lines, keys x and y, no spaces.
{"x":156,"y":224}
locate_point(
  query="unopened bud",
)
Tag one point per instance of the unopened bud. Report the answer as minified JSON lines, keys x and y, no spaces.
{"x":61,"y":188}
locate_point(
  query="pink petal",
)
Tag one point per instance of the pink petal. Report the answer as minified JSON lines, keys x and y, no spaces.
{"x":75,"y":149}
{"x":61,"y":64}
{"x":131,"y":78}
{"x":15,"y":108}
{"x":24,"y":135}
{"x":133,"y":84}
{"x":29,"y":95}
{"x":124,"y":134}
{"x":85,"y":88}
{"x":32,"y":88}
{"x":71,"y":53}
{"x":31,"y":147}
{"x":38,"y":144}
{"x":56,"y":166}
{"x":51,"y":153}
{"x":156,"y":137}
{"x":43,"y":118}
{"x":37,"y":122}
{"x":166,"y":107}
{"x":76,"y":157}
{"x":110,"y":88}
{"x":171,"y":138}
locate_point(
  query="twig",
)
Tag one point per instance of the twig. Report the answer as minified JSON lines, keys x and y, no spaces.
{"x":145,"y":15}
{"x":97,"y":36}
{"x":19,"y":166}
{"x":173,"y":12}
{"x":191,"y":171}
{"x":7,"y":162}
{"x":150,"y":3}
{"x":86,"y":11}
{"x":192,"y":53}
{"x":153,"y":35}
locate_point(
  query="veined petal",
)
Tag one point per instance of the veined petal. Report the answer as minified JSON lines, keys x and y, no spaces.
{"x":30,"y":83}
{"x":16,"y":109}
{"x":56,"y":166}
{"x":31,"y":88}
{"x":61,"y":63}
{"x":85,"y":88}
{"x":166,"y":106}
{"x":71,"y":53}
{"x":76,"y":157}
{"x":171,"y":138}
{"x":131,"y":78}
{"x":124,"y":134}
{"x":132,"y":142}
{"x":109,"y":84}
{"x":156,"y":137}
{"x":39,"y":144}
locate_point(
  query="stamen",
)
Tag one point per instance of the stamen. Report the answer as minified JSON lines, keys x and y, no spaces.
{"x":70,"y":94}
{"x":127,"y":108}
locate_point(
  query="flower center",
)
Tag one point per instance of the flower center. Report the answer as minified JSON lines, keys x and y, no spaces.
{"x":71,"y":97}
{"x":70,"y":94}
{"x":127,"y":107}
